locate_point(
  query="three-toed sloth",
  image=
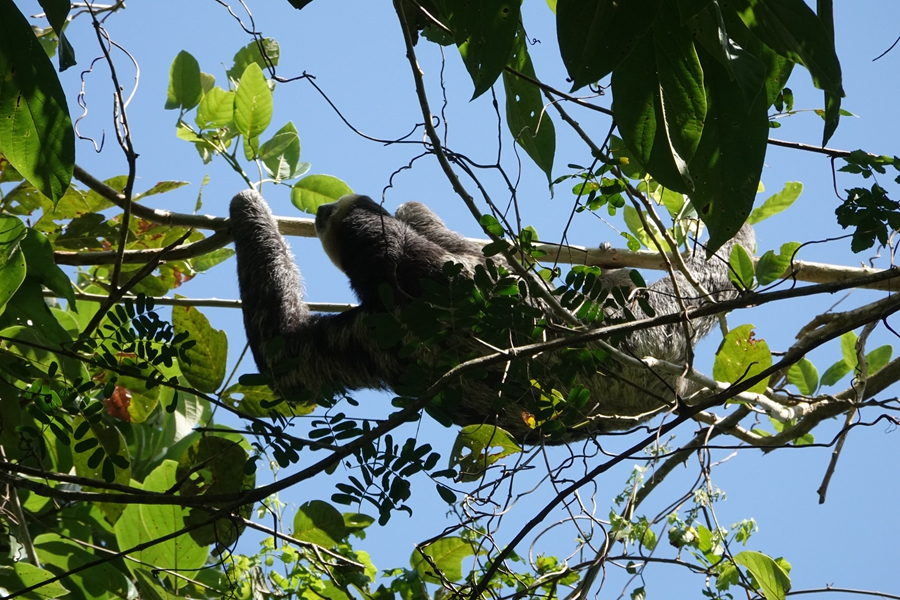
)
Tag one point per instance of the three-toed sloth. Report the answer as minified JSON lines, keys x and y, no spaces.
{"x":553,"y":397}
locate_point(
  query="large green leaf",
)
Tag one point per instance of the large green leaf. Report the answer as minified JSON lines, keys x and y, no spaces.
{"x":595,"y":36}
{"x":214,"y":465}
{"x":59,"y":555}
{"x":743,"y":66}
{"x":39,"y":258}
{"x":793,"y":30}
{"x":144,"y":523}
{"x":530,"y":126}
{"x":638,"y":108}
{"x":681,"y":83}
{"x":206,"y":369}
{"x":12,"y":261}
{"x":729,"y":160}
{"x":36,"y":134}
{"x":485,"y":32}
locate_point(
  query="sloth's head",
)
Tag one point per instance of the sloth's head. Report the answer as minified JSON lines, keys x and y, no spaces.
{"x":346,"y":224}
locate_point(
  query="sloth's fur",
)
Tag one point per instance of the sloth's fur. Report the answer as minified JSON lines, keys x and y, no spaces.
{"x":310,"y":352}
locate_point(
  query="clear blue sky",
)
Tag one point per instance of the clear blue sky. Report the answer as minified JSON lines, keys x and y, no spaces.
{"x":355,"y":51}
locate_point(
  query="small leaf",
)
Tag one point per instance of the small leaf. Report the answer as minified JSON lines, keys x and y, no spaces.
{"x":446,"y":555}
{"x":312,"y":191}
{"x":771,"y":267}
{"x":216,"y":109}
{"x":251,"y":54}
{"x":252,"y":103}
{"x":529,"y":124}
{"x":878,"y":357}
{"x":320,"y":523}
{"x":835,"y":373}
{"x":741,"y":356}
{"x":777,"y":202}
{"x":772,"y":579}
{"x":804,"y":376}
{"x":185,"y":89}
{"x":281,"y":154}
{"x":472,"y":449}
{"x":848,"y":349}
{"x":741,"y":268}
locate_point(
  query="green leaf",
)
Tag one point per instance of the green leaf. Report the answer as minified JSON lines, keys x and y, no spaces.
{"x":41,"y":265}
{"x":777,"y":202}
{"x":771,"y":578}
{"x":161,"y":188}
{"x":221,"y":471}
{"x":530,"y":126}
{"x":446,"y":555}
{"x":252,"y":103}
{"x":319,"y":523}
{"x":281,"y":154}
{"x":216,"y":109}
{"x":315,"y":190}
{"x":595,"y":36}
{"x":848,"y":349}
{"x":208,"y":356}
{"x":728,"y":162}
{"x":249,"y":400}
{"x":772,"y":267}
{"x":741,"y":268}
{"x":24,"y":575}
{"x":744,"y":67}
{"x":485,"y":32}
{"x":57,"y":12}
{"x":835,"y":373}
{"x":683,"y":96}
{"x":12,"y":260}
{"x":141,"y":523}
{"x":185,"y":88}
{"x":211,"y":259}
{"x":638,"y":109}
{"x":250,"y":54}
{"x":877,"y":358}
{"x":446,"y":494}
{"x":793,"y":30}
{"x":472,"y":450}
{"x":36,"y":134}
{"x":804,"y":376}
{"x":741,"y":356}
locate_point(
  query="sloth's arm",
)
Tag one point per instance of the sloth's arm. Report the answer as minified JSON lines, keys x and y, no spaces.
{"x":301,"y":350}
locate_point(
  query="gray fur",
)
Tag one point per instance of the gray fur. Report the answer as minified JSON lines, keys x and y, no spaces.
{"x":336,"y":352}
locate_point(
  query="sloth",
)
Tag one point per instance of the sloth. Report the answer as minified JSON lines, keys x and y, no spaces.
{"x":582,"y":393}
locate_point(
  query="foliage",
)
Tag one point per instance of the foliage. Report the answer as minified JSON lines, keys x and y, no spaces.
{"x":123,"y":484}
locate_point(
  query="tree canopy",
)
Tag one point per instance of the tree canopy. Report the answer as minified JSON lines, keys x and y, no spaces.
{"x":141,"y":454}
